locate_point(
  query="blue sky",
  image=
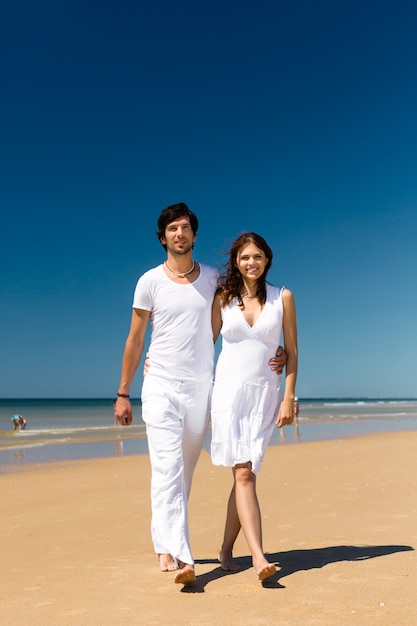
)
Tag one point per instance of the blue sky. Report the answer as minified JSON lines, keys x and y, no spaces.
{"x":296,"y":120}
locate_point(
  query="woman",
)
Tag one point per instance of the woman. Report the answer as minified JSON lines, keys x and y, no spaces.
{"x":247,"y":403}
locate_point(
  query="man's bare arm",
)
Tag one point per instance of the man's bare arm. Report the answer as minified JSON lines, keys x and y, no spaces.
{"x":131,"y":358}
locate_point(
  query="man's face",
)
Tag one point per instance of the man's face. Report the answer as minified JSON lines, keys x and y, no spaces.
{"x":179,"y":236}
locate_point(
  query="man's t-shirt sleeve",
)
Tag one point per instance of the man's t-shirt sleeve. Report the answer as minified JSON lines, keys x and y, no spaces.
{"x":142,"y":297}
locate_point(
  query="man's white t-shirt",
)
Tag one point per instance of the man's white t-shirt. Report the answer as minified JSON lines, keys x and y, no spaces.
{"x":181,"y":345}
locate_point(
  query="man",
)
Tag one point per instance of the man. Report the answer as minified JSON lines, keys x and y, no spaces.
{"x":177,"y":298}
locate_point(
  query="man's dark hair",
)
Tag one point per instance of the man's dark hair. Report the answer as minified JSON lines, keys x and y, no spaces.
{"x":172,"y":213}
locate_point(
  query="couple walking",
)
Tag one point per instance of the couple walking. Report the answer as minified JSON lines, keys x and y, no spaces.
{"x":189,"y":305}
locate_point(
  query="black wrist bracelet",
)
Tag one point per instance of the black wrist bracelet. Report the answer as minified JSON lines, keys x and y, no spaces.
{"x":123,"y":395}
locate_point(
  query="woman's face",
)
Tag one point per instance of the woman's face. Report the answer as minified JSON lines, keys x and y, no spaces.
{"x":251,"y":262}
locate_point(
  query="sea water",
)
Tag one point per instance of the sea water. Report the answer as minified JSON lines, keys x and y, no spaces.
{"x":86,"y":428}
{"x":66,"y":430}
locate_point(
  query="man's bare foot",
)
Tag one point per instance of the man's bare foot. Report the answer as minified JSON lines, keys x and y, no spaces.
{"x":266,"y":571}
{"x":227,"y":562}
{"x":185,"y":575}
{"x":167,"y":563}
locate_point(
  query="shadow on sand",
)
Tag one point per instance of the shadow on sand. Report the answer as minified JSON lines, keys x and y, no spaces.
{"x":295,"y":561}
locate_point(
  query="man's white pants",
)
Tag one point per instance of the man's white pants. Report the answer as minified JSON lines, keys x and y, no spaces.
{"x":176,"y":415}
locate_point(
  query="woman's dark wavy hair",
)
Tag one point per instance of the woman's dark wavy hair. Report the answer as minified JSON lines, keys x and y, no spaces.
{"x":231,"y":285}
{"x":172,"y":213}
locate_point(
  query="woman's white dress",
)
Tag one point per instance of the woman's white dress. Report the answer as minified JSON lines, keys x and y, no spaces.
{"x":246,"y":392}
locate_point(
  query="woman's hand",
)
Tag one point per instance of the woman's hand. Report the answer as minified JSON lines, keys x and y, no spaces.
{"x":286,"y":413}
{"x":146,"y":364}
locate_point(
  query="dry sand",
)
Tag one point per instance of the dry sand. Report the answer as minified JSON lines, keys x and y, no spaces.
{"x":339,"y":519}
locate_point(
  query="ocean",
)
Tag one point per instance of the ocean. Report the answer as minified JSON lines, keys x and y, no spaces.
{"x":65,"y":430}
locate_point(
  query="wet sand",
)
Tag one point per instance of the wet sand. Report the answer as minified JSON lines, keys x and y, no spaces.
{"x":339,"y":520}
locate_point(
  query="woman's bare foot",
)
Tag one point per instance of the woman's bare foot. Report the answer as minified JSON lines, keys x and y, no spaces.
{"x":167,"y":563}
{"x":227,"y":562}
{"x":266,"y":571}
{"x":185,"y":575}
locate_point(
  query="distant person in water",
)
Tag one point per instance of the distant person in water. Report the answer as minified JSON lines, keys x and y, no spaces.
{"x":19,"y":422}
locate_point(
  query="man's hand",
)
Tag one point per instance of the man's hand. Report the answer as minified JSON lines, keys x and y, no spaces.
{"x":123,"y":411}
{"x":277,"y":363}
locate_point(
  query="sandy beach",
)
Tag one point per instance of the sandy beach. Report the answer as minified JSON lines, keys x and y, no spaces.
{"x":339,"y":520}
